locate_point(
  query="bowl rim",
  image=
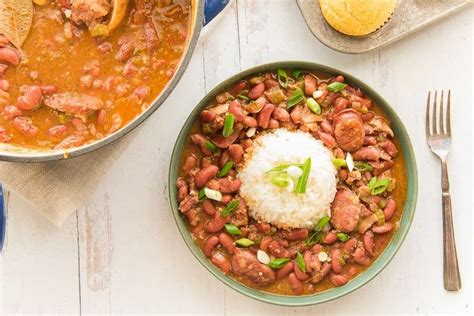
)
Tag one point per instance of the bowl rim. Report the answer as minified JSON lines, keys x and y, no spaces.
{"x":382,"y":260}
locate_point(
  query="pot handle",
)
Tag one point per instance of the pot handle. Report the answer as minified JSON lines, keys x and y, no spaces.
{"x":3,"y":218}
{"x":212,"y":8}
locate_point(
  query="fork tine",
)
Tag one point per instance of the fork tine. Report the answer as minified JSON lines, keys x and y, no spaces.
{"x":441,"y":115}
{"x":427,"y":119}
{"x":434,"y":118}
{"x":448,"y":114}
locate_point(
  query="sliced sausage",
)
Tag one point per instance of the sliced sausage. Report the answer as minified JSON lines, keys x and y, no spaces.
{"x":345,"y":210}
{"x":245,"y":263}
{"x":349,"y":130}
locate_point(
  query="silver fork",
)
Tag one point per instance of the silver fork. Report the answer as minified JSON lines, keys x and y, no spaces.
{"x":438,"y":136}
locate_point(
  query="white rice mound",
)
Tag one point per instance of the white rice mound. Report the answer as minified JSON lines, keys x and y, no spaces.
{"x":269,"y":203}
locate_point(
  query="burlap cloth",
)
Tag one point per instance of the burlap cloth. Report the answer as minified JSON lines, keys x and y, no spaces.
{"x":59,"y":188}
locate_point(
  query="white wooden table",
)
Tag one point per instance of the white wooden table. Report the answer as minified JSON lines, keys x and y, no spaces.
{"x":122,"y":253}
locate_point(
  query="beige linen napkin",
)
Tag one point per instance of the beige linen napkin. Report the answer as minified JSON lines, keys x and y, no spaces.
{"x":59,"y":188}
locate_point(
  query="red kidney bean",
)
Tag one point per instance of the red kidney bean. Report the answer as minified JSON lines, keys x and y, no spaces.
{"x":210,"y":245}
{"x":296,"y":285}
{"x":4,"y":84}
{"x":327,"y":139}
{"x":221,"y":262}
{"x":48,"y":90}
{"x":330,"y":238}
{"x":228,"y":242}
{"x":310,"y":84}
{"x":380,"y":167}
{"x":366,"y":153}
{"x":389,"y":147}
{"x":236,"y":153}
{"x":336,"y":260}
{"x":224,"y":158}
{"x":207,"y":116}
{"x":213,"y":184}
{"x":349,"y":245}
{"x":389,"y":209}
{"x":342,"y":174}
{"x":340,"y":104}
{"x":30,"y":99}
{"x":216,"y":224}
{"x":283,"y":242}
{"x":10,"y":112}
{"x":308,"y":256}
{"x":302,"y":276}
{"x":370,"y":140}
{"x":25,"y":125}
{"x":142,"y":92}
{"x":78,"y":125}
{"x":385,"y":228}
{"x":276,"y":249}
{"x":204,"y":175}
{"x":250,"y":121}
{"x":105,"y":47}
{"x":71,"y":141}
{"x":318,"y":276}
{"x":281,"y":114}
{"x":369,"y":243}
{"x":263,"y":118}
{"x":296,"y":234}
{"x":239,"y":86}
{"x":227,"y":185}
{"x":125,"y":50}
{"x":4,"y":136}
{"x":226,"y":198}
{"x":209,"y":207}
{"x":182,"y":187}
{"x":224,"y":142}
{"x":338,"y":279}
{"x":236,"y":109}
{"x":326,"y":127}
{"x":9,"y":55}
{"x":273,"y":124}
{"x":270,"y":83}
{"x":189,"y":164}
{"x":57,"y":130}
{"x":339,"y":78}
{"x":264,"y":227}
{"x":256,"y":91}
{"x":284,"y":271}
{"x":360,"y":257}
{"x":266,"y":240}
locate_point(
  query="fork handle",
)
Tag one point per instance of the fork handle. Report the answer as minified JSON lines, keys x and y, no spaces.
{"x":452,"y":277}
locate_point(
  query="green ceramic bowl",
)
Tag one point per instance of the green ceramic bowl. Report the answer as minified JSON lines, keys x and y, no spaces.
{"x":382,"y":260}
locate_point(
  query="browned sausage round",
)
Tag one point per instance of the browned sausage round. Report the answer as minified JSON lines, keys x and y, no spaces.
{"x":210,"y":245}
{"x":345,"y":210}
{"x":204,"y":175}
{"x":349,"y":130}
{"x":245,"y":263}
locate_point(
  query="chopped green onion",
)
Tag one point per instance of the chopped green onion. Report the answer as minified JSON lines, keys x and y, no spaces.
{"x":336,"y":86}
{"x":295,"y":98}
{"x":281,"y":168}
{"x":380,"y":216}
{"x":282,"y":77}
{"x":229,"y":208}
{"x":363,"y":166}
{"x":213,"y":194}
{"x":243,"y":97}
{"x":380,"y":186}
{"x":209,"y":145}
{"x":303,"y":180}
{"x":225,"y":170}
{"x":372,"y":182}
{"x":201,"y":194}
{"x":244,"y":242}
{"x":277,"y":263}
{"x":317,"y":235}
{"x":313,"y":105}
{"x":342,"y":236}
{"x":232,"y":229}
{"x":228,"y":125}
{"x":300,"y":262}
{"x":281,"y":180}
{"x":322,"y":223}
{"x":298,"y":74}
{"x":339,"y":162}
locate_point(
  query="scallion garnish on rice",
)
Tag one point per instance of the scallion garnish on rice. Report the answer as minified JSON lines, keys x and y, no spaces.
{"x":284,"y":175}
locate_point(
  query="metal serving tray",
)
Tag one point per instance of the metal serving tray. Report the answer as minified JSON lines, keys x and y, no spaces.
{"x":409,"y":16}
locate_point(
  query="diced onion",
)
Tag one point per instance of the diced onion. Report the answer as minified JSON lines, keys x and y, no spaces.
{"x":213,"y":194}
{"x":294,"y":172}
{"x":323,"y":256}
{"x":250,"y":132}
{"x":350,"y":162}
{"x":317,"y":94}
{"x":263,"y":257}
